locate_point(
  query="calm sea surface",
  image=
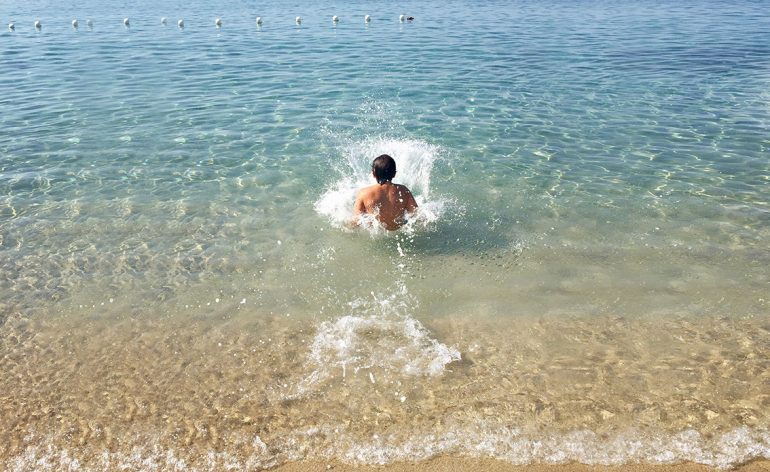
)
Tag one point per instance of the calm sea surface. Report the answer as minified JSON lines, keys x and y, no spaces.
{"x":587,"y":278}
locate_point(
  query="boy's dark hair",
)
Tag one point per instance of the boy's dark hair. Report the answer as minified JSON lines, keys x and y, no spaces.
{"x":384,"y":168}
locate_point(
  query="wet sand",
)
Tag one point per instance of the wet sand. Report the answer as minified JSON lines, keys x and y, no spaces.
{"x":458,"y":464}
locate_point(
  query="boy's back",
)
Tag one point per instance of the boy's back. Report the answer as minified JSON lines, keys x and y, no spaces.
{"x":389,"y":202}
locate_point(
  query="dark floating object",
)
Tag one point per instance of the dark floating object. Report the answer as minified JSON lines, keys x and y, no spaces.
{"x":410,"y":18}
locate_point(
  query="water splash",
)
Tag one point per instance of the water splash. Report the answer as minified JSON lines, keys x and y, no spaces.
{"x":379,"y":334}
{"x":415,"y":160}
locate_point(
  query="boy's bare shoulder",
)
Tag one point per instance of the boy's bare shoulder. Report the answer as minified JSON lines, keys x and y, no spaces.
{"x":403,"y":189}
{"x":367,"y":190}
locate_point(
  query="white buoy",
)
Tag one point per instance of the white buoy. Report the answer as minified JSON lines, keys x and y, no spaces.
{"x":75,"y":23}
{"x":163,"y":21}
{"x":37,"y":24}
{"x":89,"y":23}
{"x":180,"y":23}
{"x":218,"y":22}
{"x":126,"y":23}
{"x":367,"y":18}
{"x":335,"y":19}
{"x":11,"y":26}
{"x":298,"y":20}
{"x":401,"y":18}
{"x":259,"y":20}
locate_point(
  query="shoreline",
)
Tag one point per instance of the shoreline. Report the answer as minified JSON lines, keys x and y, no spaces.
{"x":462,"y":464}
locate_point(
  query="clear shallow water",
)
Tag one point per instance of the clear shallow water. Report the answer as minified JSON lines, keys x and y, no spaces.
{"x":576,"y":163}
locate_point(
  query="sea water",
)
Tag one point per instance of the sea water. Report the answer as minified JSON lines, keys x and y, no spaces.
{"x":586,"y":278}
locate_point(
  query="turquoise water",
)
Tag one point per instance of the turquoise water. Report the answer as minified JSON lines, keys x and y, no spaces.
{"x":152,"y":142}
{"x":571,"y":159}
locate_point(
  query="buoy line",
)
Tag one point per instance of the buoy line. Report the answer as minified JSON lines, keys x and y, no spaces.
{"x":38,"y":24}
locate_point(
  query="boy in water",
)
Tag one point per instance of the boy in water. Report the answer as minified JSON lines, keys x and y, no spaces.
{"x":387,"y":201}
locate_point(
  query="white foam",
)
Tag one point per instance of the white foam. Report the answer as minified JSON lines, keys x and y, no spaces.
{"x":481,"y":440}
{"x":414,"y":163}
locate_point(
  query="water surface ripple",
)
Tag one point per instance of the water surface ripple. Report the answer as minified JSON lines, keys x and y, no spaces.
{"x":592,"y":171}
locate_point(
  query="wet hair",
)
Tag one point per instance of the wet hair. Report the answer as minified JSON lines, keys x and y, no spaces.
{"x":384,"y":168}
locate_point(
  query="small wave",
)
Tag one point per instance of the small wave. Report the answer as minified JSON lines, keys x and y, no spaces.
{"x":586,"y":447}
{"x":414,"y":160}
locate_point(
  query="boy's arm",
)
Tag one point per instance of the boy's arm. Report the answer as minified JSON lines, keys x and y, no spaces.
{"x":411,"y":203}
{"x":359,"y":208}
